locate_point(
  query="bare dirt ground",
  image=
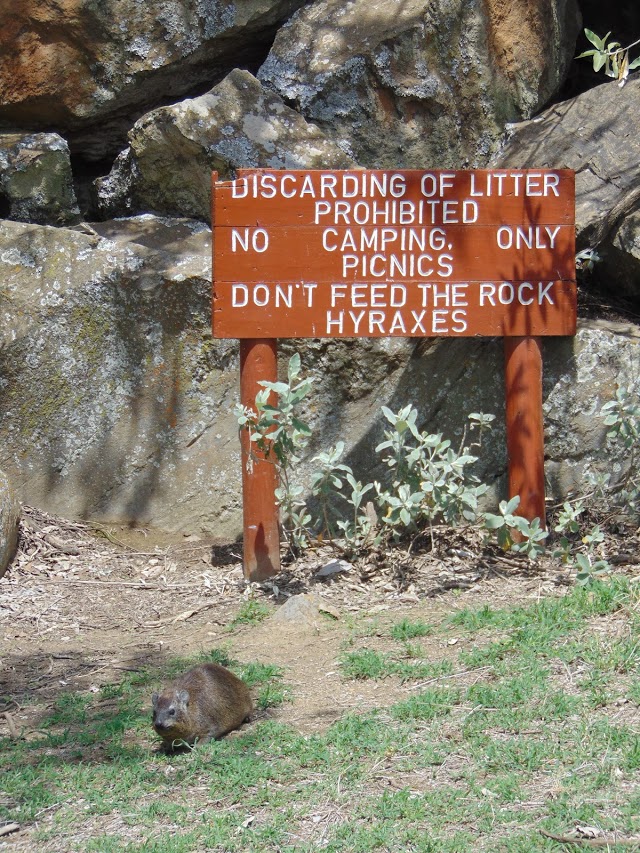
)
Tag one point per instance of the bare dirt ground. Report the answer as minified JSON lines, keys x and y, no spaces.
{"x":82,"y":605}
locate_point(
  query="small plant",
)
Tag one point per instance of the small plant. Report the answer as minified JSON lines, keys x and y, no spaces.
{"x":514,"y":532}
{"x":568,"y":525}
{"x":578,"y":551}
{"x":590,"y":569}
{"x":250,"y":613}
{"x":357,"y":529}
{"x":430,"y":479}
{"x":611,"y":56}
{"x":622,"y":416}
{"x":587,"y":259}
{"x":408,"y":630}
{"x":281,"y":435}
{"x":327,"y":480}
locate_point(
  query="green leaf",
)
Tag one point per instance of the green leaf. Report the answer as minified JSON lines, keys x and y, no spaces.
{"x":599,"y":60}
{"x":301,"y":426}
{"x":596,"y":40}
{"x":294,"y":366}
{"x":583,"y":562}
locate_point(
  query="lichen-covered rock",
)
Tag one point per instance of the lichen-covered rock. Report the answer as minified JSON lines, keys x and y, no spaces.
{"x":9,"y":517}
{"x":622,"y":254}
{"x":580,"y":375}
{"x":111,"y":390}
{"x":36,"y":184}
{"x":82,"y":66}
{"x":421,"y":84}
{"x":593,"y":135}
{"x":172,"y":150}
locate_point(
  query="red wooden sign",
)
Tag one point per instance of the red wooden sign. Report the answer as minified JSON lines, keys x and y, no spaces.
{"x":394,"y":253}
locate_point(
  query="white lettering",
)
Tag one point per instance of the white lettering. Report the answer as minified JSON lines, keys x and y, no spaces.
{"x":259,"y":240}
{"x":543,"y":293}
{"x":552,"y":234}
{"x":521,"y":289}
{"x":239,"y":188}
{"x":239,"y":295}
{"x":338,"y":291}
{"x":397,"y":324}
{"x":438,"y":319}
{"x":398,"y":296}
{"x":418,"y":322}
{"x":356,"y":320}
{"x":339,"y":322}
{"x":551,"y":181}
{"x":487,"y":291}
{"x":308,"y":289}
{"x":504,"y":237}
{"x":376,"y":321}
{"x":506,"y":293}
{"x":459,"y":321}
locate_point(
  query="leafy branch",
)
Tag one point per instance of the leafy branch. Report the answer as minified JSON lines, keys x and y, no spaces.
{"x":611,"y":56}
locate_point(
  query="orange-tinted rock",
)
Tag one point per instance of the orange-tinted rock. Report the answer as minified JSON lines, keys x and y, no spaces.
{"x":417,"y":84}
{"x":77,"y":64}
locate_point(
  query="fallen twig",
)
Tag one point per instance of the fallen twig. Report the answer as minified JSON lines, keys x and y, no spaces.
{"x":9,"y":828}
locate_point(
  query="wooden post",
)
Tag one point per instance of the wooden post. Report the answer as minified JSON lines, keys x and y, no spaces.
{"x":525,"y":432}
{"x":261,"y":543}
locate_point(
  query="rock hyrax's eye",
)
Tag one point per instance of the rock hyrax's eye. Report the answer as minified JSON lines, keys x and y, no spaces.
{"x":172,"y":712}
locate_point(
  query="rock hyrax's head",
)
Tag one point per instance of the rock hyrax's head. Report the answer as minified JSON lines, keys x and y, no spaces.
{"x":170,"y":712}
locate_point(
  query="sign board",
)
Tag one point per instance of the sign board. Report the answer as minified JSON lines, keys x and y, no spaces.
{"x":394,"y":253}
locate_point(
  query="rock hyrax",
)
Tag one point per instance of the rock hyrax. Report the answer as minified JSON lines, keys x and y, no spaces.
{"x":206,"y":702}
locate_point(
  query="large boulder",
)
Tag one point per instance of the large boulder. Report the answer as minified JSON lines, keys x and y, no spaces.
{"x":593,"y":135}
{"x":87,"y":67}
{"x":9,"y":517}
{"x":421,"y":84}
{"x":36,"y":184}
{"x":110,"y":386}
{"x":172,"y":150}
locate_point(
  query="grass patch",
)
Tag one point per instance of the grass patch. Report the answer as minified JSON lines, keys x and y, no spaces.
{"x":250,"y":613}
{"x":368,"y":663}
{"x":516,"y":735}
{"x":407,"y":629}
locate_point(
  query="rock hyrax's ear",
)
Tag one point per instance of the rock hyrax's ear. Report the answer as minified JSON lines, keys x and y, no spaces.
{"x":183,"y":697}
{"x":154,"y":700}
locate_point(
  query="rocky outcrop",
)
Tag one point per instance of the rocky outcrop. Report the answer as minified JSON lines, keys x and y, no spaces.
{"x":36,"y":183}
{"x":418,"y":85}
{"x":172,"y":151}
{"x":9,"y":517}
{"x":86,"y":68}
{"x":117,"y":403}
{"x":593,"y":135}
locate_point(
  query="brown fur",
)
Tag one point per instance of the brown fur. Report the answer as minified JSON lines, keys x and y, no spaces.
{"x":206,"y":702}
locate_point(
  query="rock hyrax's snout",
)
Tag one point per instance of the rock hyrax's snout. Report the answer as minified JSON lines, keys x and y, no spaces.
{"x":206,"y":702}
{"x":166,"y":710}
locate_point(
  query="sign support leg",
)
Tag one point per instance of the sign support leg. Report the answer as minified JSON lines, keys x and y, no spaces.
{"x":261,"y":531}
{"x":525,"y":432}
